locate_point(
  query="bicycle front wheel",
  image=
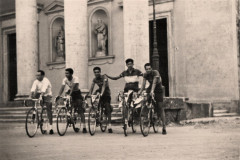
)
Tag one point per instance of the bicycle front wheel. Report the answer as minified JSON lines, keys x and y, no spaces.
{"x":92,"y":121}
{"x":145,"y":120}
{"x":62,"y":121}
{"x":156,"y":122}
{"x":76,"y":122}
{"x":134,"y":120}
{"x":125,"y":118}
{"x":103,"y":120}
{"x":44,"y":121}
{"x":31,"y":124}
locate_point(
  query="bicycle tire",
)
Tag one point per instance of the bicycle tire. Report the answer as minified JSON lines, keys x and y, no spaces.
{"x":134,"y":120}
{"x":92,"y":122}
{"x":62,"y":121}
{"x":125,"y":118}
{"x":103,"y":120}
{"x":32,"y":122}
{"x":44,"y":121}
{"x":145,"y":120}
{"x":156,"y":122}
{"x":76,"y":121}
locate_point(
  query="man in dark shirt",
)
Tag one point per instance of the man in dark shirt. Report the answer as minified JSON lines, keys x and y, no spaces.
{"x":131,"y":76}
{"x":155,"y":90}
{"x":104,"y":90}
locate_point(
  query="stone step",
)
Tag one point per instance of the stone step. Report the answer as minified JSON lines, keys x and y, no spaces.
{"x":225,"y":114}
{"x":220,"y":111}
{"x":18,"y":114}
{"x":22,"y":120}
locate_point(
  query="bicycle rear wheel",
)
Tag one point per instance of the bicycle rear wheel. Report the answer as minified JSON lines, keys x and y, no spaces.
{"x":62,"y":121}
{"x":44,"y":121}
{"x":92,"y":121}
{"x":134,"y":120}
{"x":76,"y":121}
{"x":156,"y":122}
{"x":103,"y":120}
{"x":145,"y":120}
{"x":31,"y":123}
{"x":125,"y":119}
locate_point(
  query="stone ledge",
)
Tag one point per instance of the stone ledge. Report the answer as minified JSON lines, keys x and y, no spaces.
{"x":56,"y":65}
{"x":101,"y":60}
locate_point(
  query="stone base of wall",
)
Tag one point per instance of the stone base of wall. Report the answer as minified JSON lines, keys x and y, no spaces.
{"x":174,"y":107}
{"x":198,"y":110}
{"x":231,"y":106}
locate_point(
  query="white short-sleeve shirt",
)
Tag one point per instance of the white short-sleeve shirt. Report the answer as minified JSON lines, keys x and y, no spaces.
{"x":70,"y":83}
{"x":43,"y":86}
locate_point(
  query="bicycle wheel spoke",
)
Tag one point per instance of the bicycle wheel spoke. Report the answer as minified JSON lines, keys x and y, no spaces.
{"x":62,"y":121}
{"x":31,"y":124}
{"x":103,"y":121}
{"x":92,"y":121}
{"x":145,"y":120}
{"x":156,"y":123}
{"x":44,"y":121}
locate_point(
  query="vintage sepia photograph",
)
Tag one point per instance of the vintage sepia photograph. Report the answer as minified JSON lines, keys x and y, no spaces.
{"x":119,"y":80}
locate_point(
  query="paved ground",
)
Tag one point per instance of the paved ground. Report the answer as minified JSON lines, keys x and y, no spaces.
{"x":216,"y":141}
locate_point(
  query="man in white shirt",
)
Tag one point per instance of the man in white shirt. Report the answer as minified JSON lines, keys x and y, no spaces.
{"x":73,"y":83}
{"x":42,"y":86}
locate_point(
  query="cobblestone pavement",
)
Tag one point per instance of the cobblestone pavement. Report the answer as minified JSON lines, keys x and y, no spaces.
{"x":215,"y":141}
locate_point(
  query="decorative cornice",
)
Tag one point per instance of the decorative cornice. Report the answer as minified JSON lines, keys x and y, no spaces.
{"x":10,"y":15}
{"x":91,"y":2}
{"x":150,"y":2}
{"x":54,"y":7}
{"x":6,"y":16}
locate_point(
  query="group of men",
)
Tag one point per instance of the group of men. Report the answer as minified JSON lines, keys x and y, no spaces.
{"x":42,"y":86}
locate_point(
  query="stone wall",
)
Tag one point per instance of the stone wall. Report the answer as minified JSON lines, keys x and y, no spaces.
{"x":206,"y":49}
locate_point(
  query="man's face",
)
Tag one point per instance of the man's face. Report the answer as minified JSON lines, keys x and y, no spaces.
{"x":68,"y":75}
{"x":148,"y":69}
{"x":97,"y":73}
{"x":39,"y":76}
{"x":130,"y":65}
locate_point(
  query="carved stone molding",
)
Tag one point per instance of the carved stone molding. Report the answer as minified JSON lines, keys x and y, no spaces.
{"x":54,"y":7}
{"x":56,"y":65}
{"x":101,"y":60}
{"x":90,"y":2}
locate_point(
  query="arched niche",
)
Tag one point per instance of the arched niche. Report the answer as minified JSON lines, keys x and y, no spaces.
{"x":96,"y":50}
{"x":57,"y":39}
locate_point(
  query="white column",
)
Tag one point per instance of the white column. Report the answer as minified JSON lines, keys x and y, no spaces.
{"x":136,"y":31}
{"x":26,"y":30}
{"x":75,"y":13}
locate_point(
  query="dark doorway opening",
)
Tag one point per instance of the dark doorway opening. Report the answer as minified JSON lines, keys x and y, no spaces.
{"x":162,"y":50}
{"x":12,"y":67}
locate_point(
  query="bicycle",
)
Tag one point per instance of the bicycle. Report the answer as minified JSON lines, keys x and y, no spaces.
{"x":148,"y":117}
{"x":34,"y":120}
{"x":129,"y":112}
{"x":97,"y":115}
{"x":68,"y":116}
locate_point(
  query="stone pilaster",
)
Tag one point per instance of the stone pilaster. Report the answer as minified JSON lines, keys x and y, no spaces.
{"x":136,"y":31}
{"x":27,"y":58}
{"x":75,"y":15}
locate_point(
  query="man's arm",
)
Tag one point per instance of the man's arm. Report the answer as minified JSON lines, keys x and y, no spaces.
{"x":61,"y":90}
{"x":155,"y":80}
{"x":92,"y":87}
{"x":114,"y":78}
{"x":104,"y":84}
{"x":143,"y":86}
{"x":33,"y":89}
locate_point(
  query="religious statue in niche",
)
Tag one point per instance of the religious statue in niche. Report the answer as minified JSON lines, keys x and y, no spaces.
{"x":101,"y":33}
{"x":60,"y":45}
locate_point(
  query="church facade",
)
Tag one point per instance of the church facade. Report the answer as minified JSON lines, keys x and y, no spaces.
{"x":197,"y":44}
